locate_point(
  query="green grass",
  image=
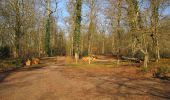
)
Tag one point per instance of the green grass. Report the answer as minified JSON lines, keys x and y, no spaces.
{"x":95,"y":64}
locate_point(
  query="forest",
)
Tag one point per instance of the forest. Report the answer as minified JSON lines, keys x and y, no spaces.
{"x":112,"y":39}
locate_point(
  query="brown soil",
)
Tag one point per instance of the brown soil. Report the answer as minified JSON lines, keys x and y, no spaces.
{"x":56,"y":81}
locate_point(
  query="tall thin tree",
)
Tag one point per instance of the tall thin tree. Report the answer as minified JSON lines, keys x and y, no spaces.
{"x":154,"y":26}
{"x":47,"y":35}
{"x":77,"y":29}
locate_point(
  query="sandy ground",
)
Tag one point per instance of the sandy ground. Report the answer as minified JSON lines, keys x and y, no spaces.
{"x":56,"y":81}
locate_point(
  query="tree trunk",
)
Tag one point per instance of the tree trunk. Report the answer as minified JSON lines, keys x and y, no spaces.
{"x":77,"y":29}
{"x":103,"y":47}
{"x":76,"y":57}
{"x":154,"y":26}
{"x":146,"y":59}
{"x":89,"y":48}
{"x":118,"y":29}
{"x":157,"y":51}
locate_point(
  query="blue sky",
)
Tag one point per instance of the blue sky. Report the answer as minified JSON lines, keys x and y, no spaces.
{"x":166,"y":11}
{"x":62,"y":6}
{"x":63,"y":12}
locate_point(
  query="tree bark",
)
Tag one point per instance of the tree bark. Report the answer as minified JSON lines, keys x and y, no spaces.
{"x":146,"y":59}
{"x":47,"y":36}
{"x":154,"y":26}
{"x":77,"y":29}
{"x":118,"y":29}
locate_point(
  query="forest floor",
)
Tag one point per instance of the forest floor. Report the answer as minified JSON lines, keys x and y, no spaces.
{"x":56,"y":80}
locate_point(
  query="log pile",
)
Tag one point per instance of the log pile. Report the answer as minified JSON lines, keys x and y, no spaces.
{"x":34,"y":61}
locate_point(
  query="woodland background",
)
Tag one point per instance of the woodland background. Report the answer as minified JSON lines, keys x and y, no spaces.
{"x":132,"y":28}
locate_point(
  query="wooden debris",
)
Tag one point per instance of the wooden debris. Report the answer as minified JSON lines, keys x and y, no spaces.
{"x":35,"y":61}
{"x":28,"y":62}
{"x":86,"y":59}
{"x":131,"y":59}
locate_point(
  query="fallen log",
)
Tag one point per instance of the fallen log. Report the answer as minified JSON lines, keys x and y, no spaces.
{"x":131,"y":59}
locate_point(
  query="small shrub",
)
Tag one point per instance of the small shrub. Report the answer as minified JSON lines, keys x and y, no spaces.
{"x":162,"y":71}
{"x":85,"y":53}
{"x":139,"y":55}
{"x":4,"y":52}
{"x":19,"y":62}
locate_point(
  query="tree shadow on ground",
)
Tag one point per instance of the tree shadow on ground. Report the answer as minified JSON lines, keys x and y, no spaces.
{"x":5,"y":74}
{"x":118,"y":85}
{"x":133,"y":87}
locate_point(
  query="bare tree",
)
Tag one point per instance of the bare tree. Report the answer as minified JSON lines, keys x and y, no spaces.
{"x":154,"y":26}
{"x":77,"y":29}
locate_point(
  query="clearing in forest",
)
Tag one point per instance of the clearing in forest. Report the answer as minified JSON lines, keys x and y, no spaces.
{"x":98,"y":81}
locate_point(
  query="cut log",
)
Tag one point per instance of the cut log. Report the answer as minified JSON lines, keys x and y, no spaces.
{"x":28,"y":63}
{"x":35,"y":61}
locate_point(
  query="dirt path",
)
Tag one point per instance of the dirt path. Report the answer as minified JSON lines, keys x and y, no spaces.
{"x":59,"y":82}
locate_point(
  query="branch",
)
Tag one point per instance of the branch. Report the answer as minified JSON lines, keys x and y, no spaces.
{"x":51,"y":11}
